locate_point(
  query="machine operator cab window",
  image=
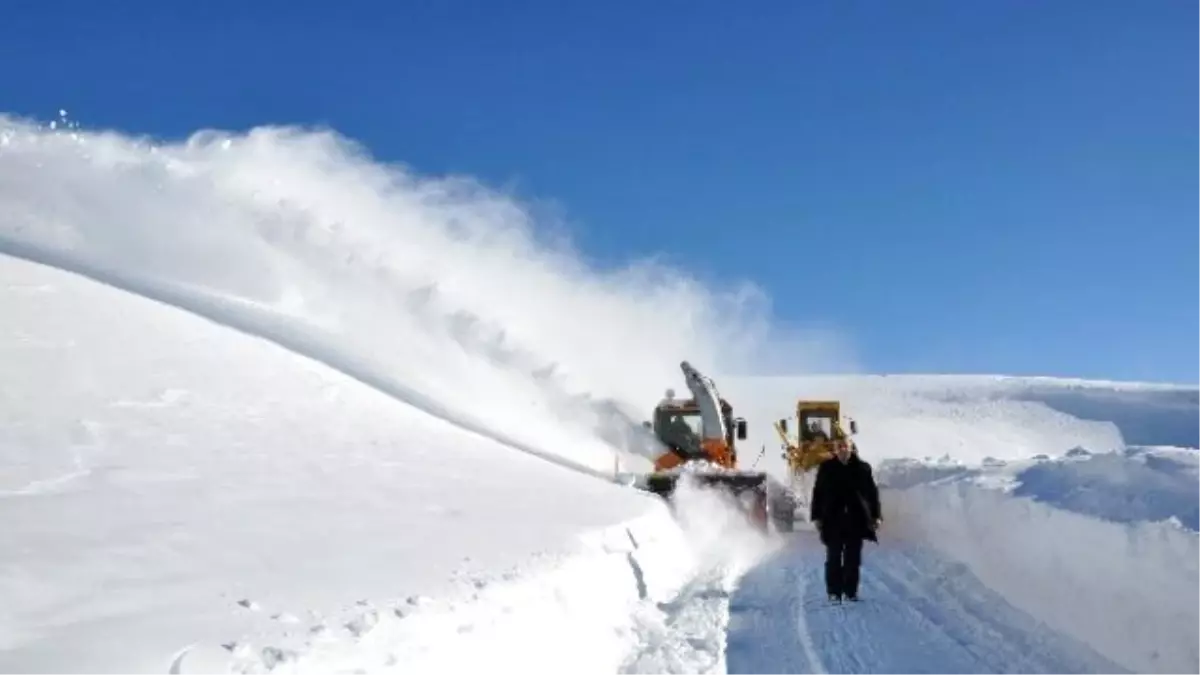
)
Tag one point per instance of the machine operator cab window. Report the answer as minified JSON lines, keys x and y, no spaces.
{"x":678,"y":429}
{"x":816,"y":428}
{"x":680,"y":425}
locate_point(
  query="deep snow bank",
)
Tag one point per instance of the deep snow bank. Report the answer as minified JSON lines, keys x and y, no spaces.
{"x":581,"y":605}
{"x":159,"y":470}
{"x":1146,"y":414}
{"x":180,"y":496}
{"x":1128,"y":590}
{"x":1138,"y":485}
{"x":647,"y":595}
{"x":644,"y":596}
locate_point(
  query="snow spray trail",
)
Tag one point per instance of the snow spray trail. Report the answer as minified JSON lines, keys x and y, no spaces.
{"x":436,"y":291}
{"x":686,"y":633}
{"x":917,"y":613}
{"x":310,"y":342}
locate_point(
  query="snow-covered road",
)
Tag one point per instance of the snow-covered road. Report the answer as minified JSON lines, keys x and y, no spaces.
{"x":917,"y":613}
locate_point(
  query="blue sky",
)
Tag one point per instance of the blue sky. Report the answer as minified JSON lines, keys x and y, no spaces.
{"x":962,"y":186}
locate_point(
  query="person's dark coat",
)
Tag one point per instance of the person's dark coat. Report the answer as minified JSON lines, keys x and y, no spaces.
{"x":845,"y":500}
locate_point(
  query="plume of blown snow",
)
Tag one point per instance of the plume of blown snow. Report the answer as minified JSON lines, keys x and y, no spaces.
{"x":687,"y":632}
{"x":437,"y":290}
{"x":717,"y":529}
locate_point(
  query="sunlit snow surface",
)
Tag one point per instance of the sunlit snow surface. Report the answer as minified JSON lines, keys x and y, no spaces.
{"x":299,"y":410}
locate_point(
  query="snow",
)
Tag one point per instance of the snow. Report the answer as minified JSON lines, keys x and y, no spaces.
{"x":243,"y":507}
{"x":969,"y":419}
{"x":918,"y":612}
{"x":1140,"y":484}
{"x":203,"y":467}
{"x":267,"y":404}
{"x":1130,"y":591}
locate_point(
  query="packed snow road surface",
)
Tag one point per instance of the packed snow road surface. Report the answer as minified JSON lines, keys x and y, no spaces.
{"x":917,"y":612}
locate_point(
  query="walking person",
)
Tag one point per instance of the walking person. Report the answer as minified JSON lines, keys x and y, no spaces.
{"x":845,"y":509}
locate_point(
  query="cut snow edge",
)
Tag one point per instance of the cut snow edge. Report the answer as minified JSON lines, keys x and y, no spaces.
{"x":1128,"y":590}
{"x":601,"y":604}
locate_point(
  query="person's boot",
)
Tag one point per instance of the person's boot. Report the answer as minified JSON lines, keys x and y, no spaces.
{"x":850,"y":579}
{"x":835,"y":597}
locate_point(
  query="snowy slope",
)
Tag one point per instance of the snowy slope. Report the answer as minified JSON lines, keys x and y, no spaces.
{"x":158,"y":469}
{"x":263,"y":433}
{"x":266,"y":404}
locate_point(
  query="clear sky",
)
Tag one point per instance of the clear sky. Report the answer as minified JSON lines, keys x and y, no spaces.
{"x":963,"y":186}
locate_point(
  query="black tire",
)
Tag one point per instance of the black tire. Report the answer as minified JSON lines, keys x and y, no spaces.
{"x":783,"y":514}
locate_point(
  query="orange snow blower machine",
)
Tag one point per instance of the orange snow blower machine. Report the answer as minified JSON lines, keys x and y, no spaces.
{"x":699,"y":436}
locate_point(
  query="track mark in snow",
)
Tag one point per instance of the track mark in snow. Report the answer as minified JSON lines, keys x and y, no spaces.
{"x":917,"y":613}
{"x":806,"y":641}
{"x":177,"y":660}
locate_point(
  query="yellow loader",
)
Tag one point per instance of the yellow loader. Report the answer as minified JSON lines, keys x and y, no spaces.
{"x":822,"y":429}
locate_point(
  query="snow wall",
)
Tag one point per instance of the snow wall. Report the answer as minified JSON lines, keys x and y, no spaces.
{"x":1129,"y":590}
{"x":575,"y":607}
{"x":612,"y":600}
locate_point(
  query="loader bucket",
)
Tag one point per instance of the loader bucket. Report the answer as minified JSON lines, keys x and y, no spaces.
{"x":664,"y":484}
{"x":735,"y":484}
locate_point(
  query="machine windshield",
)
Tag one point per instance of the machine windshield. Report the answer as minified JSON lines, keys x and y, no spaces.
{"x":679,"y":428}
{"x":816,"y":426}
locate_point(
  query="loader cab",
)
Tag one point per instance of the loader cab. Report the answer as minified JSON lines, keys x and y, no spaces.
{"x":821,"y":421}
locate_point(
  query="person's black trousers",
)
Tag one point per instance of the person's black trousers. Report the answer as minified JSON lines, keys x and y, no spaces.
{"x":843,"y":557}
